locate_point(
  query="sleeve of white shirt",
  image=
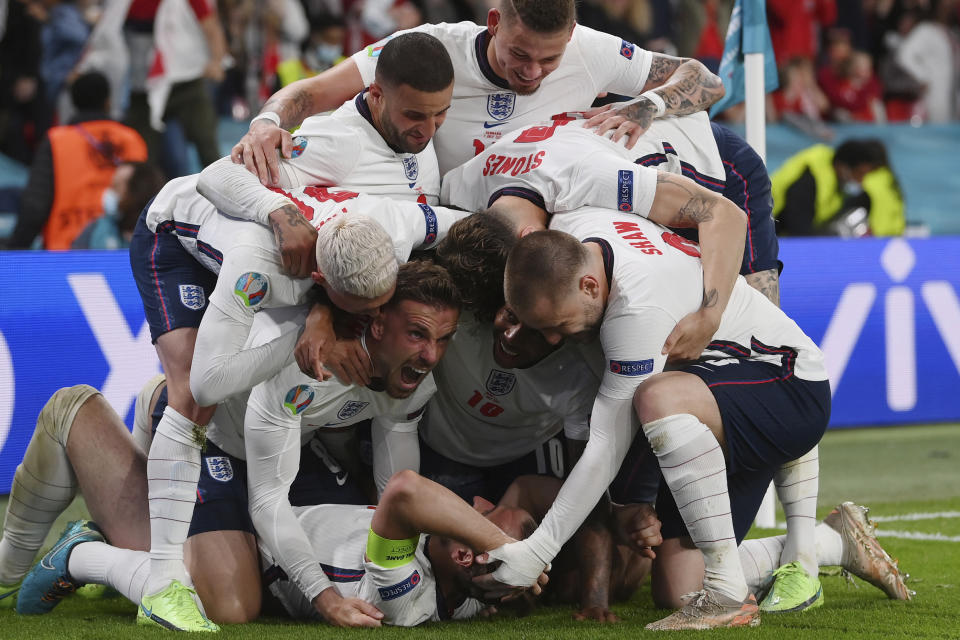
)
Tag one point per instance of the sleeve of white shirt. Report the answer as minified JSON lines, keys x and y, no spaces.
{"x":604,"y":180}
{"x":273,"y":458}
{"x":399,"y":592}
{"x":636,"y":355}
{"x":222,"y":366}
{"x":396,"y":446}
{"x":238,"y":193}
{"x":327,"y":154}
{"x":614,"y":64}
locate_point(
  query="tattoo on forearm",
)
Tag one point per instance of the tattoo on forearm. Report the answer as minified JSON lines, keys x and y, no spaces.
{"x":698,"y":208}
{"x":292,"y":109}
{"x":661,"y":68}
{"x":766,"y":282}
{"x":687,"y":86}
{"x":640,"y":112}
{"x":293,"y":218}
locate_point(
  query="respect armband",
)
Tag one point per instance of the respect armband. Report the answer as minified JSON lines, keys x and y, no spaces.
{"x":391,"y":553}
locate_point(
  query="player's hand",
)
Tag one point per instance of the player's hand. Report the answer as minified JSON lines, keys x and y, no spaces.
{"x":257,"y":151}
{"x":691,"y":335}
{"x":598,"y":614}
{"x":315,"y":343}
{"x":346,"y":612}
{"x":638,"y":527}
{"x":296,"y":239}
{"x":630,"y":119}
{"x":520,"y":568}
{"x":349,"y":362}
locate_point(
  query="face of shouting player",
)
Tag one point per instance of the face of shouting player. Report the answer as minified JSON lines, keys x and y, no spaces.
{"x":408,"y":340}
{"x":514,"y":345}
{"x":408,"y":118}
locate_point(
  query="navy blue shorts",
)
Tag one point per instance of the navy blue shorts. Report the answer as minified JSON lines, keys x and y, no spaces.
{"x":770,"y":417}
{"x":174,"y":287}
{"x":467,"y":481}
{"x":748,"y":186}
{"x":638,"y":480}
{"x":222,"y":499}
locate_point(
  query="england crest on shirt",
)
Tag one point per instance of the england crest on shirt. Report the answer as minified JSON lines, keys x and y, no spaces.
{"x":411,"y":168}
{"x":192,"y":297}
{"x":500,"y":105}
{"x":500,"y":383}
{"x":351,"y":408}
{"x":220,"y":468}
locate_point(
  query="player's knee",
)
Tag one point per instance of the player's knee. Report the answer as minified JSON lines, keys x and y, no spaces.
{"x":237,"y":607}
{"x":56,"y":417}
{"x":402,"y":485}
{"x":653,"y":400}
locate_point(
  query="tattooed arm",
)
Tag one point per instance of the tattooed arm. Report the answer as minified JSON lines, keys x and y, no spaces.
{"x":680,"y":202}
{"x":296,"y":240}
{"x":292,"y":104}
{"x":766,"y":282}
{"x":684,"y":85}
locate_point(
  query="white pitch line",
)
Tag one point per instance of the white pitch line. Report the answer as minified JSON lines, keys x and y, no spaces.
{"x":916,"y":516}
{"x":916,"y":535}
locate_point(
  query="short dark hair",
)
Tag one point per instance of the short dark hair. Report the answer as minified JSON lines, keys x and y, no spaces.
{"x":475,"y":251}
{"x":862,"y":151}
{"x":427,"y":283}
{"x":145,"y":182}
{"x":90,"y":92}
{"x":541,"y":16}
{"x":417,"y":60}
{"x":543,"y":264}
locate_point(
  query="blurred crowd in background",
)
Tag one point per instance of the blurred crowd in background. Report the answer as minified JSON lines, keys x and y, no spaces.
{"x":174,"y":68}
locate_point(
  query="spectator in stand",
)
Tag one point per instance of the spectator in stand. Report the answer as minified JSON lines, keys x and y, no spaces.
{"x":927,"y":54}
{"x":190,"y":51}
{"x":23,"y":114}
{"x":73,"y":166}
{"x":62,"y":37}
{"x":133,"y":186}
{"x":795,"y":26}
{"x":799,"y":101}
{"x":138,"y":34}
{"x":848,"y":81}
{"x":642,"y":22}
{"x":701,"y":29}
{"x":322,"y":50}
{"x":850,"y":191}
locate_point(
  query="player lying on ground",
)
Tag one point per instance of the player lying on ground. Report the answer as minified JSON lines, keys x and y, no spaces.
{"x":400,"y":583}
{"x":77,"y":430}
{"x":376,"y":147}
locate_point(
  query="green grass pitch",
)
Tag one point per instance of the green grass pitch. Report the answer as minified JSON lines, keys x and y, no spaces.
{"x":909,"y":476}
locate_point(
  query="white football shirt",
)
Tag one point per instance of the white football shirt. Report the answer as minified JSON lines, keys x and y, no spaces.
{"x":563,"y":166}
{"x":484,"y":107}
{"x":484,"y":414}
{"x":407,"y":595}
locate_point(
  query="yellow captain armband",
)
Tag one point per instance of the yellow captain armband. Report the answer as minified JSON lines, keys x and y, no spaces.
{"x":391,"y":553}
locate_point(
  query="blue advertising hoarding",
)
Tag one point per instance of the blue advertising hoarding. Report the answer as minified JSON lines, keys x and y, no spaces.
{"x":885,"y":311}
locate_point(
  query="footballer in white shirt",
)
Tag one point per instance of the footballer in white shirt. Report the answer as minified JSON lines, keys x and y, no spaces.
{"x":762,"y":381}
{"x":175,"y":288}
{"x":530,"y":61}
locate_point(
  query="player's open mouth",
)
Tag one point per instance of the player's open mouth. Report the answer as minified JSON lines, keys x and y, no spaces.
{"x":410,"y":375}
{"x":506,"y":350}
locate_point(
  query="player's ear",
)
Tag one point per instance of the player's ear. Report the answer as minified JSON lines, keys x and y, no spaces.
{"x":493,"y":21}
{"x":376,"y":91}
{"x":482,"y":504}
{"x":528,"y":230}
{"x":377,"y":327}
{"x":317,"y":277}
{"x":590,"y":286}
{"x":461,"y":555}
